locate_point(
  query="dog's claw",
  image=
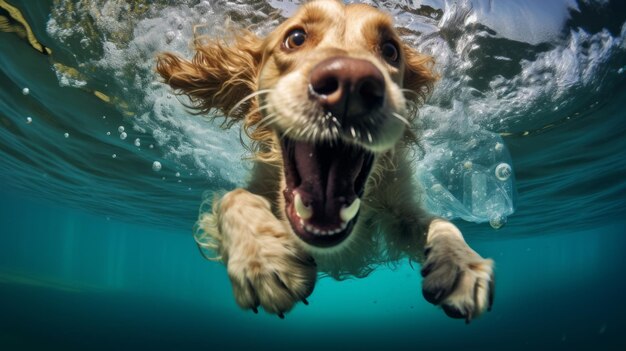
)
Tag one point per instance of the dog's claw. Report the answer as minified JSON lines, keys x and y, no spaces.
{"x":281,"y":315}
{"x":491,"y":294}
{"x":255,"y":310}
{"x":304,"y":301}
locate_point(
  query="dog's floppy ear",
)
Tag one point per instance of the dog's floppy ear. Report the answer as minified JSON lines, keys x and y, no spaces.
{"x":220,"y":74}
{"x":418,"y":74}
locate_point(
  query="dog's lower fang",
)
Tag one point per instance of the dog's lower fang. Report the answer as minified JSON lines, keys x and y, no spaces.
{"x":347,"y":213}
{"x":303,"y":211}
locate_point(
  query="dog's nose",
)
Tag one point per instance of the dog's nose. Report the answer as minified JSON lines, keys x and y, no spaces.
{"x":347,"y":87}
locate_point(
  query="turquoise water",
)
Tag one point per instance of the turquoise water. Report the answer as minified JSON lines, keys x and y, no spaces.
{"x":96,"y":251}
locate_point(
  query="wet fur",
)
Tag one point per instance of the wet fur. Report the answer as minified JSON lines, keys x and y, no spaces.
{"x":247,"y":228}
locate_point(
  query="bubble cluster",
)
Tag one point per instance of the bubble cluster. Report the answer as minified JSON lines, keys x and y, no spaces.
{"x":137,"y":142}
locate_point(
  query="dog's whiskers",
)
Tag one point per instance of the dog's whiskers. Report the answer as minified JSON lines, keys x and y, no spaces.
{"x":409,"y":92}
{"x":267,"y":120}
{"x":401,"y":118}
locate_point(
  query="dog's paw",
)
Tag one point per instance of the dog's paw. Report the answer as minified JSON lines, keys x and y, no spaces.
{"x":275,"y":276}
{"x":457,"y":278}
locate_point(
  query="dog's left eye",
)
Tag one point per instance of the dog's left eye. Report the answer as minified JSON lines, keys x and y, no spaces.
{"x":295,"y":38}
{"x":390,"y":52}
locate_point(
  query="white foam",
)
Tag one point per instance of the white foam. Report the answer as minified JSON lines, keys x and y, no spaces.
{"x":461,"y":143}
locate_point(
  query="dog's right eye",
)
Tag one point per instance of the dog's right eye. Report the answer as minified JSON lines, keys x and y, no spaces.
{"x":295,"y":38}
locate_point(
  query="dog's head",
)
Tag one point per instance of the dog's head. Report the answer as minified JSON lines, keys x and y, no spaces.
{"x":325,"y":94}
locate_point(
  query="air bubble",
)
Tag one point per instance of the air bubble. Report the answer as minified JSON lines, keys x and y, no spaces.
{"x":25,"y":91}
{"x":169,"y":36}
{"x":108,"y":133}
{"x":151,"y":146}
{"x":29,"y":120}
{"x":468,"y":165}
{"x":499,"y":146}
{"x":114,"y":155}
{"x":66,"y":135}
{"x":497,"y":221}
{"x":120,"y":129}
{"x":437,"y":188}
{"x":156,"y":166}
{"x":177,"y":174}
{"x":503,"y":171}
{"x":123,"y":135}
{"x":137,"y":142}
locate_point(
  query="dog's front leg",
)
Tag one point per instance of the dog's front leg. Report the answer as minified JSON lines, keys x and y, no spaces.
{"x":455,"y":276}
{"x":265,"y":264}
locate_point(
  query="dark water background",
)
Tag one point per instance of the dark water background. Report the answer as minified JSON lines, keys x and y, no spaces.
{"x":96,"y":252}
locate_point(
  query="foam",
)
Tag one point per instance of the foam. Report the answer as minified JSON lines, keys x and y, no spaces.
{"x":462,"y":145}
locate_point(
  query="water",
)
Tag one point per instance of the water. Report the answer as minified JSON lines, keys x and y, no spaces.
{"x":102,"y":172}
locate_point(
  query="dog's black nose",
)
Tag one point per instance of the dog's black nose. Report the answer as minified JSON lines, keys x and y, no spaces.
{"x":347,"y":87}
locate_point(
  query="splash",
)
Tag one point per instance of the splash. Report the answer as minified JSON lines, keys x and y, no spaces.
{"x":499,"y":76}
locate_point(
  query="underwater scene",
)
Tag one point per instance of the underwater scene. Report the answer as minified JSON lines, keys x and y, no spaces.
{"x":104,"y":171}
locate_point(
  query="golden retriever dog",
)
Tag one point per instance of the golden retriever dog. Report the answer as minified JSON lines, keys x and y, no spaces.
{"x":329,"y":100}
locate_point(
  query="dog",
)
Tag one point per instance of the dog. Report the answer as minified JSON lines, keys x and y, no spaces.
{"x":328,"y":99}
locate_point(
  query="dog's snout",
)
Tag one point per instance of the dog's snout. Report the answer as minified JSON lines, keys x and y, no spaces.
{"x":347,"y":86}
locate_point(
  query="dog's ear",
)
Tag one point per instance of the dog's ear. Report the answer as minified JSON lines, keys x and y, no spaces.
{"x":219,"y":76}
{"x":419,"y":76}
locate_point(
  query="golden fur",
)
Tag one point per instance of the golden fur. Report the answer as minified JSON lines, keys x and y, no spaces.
{"x":258,"y":82}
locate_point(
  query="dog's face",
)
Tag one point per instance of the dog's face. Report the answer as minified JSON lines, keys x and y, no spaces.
{"x":334,"y":77}
{"x":330,"y":85}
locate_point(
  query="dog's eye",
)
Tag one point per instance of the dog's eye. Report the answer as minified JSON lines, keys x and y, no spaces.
{"x":295,"y":38}
{"x":390,"y":52}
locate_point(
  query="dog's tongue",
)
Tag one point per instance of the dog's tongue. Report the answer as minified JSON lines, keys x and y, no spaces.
{"x":328,"y":174}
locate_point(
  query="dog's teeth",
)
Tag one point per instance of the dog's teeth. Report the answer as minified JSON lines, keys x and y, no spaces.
{"x":348,"y":213}
{"x":304,"y":212}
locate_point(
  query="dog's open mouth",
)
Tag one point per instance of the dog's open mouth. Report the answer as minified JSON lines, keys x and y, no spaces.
{"x":325,"y":183}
